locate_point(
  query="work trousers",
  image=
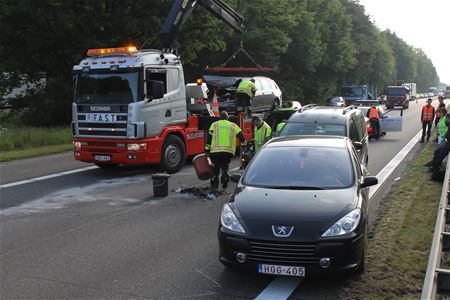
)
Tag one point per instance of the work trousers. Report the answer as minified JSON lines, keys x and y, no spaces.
{"x":244,"y":103}
{"x":375,"y":123}
{"x":221,"y":161}
{"x":426,"y":131}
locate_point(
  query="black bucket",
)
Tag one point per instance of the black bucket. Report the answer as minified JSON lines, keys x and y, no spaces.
{"x":160,"y":184}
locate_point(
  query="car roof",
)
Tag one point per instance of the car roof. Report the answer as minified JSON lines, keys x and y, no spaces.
{"x":323,"y":115}
{"x":308,"y":141}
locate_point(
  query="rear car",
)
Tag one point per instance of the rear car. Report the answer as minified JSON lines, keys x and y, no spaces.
{"x":300,"y":207}
{"x":336,"y":101}
{"x":268,"y":95}
{"x":322,"y":120}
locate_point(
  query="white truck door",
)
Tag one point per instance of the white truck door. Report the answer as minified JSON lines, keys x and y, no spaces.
{"x":391,"y":124}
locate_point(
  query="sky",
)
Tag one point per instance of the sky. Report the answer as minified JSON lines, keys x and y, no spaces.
{"x":422,"y":24}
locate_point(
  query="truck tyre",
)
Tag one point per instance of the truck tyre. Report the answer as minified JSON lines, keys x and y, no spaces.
{"x":106,"y":166}
{"x":173,"y":155}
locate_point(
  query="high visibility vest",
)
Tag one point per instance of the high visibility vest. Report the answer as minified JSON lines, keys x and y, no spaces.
{"x":224,"y":135}
{"x":279,"y":127}
{"x":442,"y":127}
{"x":246,"y":87}
{"x":427,"y":113}
{"x":261,"y":134}
{"x":374,"y":114}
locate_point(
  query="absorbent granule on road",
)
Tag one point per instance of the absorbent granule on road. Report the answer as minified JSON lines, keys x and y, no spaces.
{"x":200,"y":192}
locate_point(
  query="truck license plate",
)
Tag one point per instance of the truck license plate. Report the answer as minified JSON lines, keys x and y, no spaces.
{"x":101,"y":118}
{"x":281,"y":270}
{"x":102,"y":157}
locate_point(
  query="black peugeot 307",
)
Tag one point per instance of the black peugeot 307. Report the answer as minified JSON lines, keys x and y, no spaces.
{"x":299,"y":207}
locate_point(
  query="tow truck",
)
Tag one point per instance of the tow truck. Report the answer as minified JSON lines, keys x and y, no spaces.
{"x":132,"y":106}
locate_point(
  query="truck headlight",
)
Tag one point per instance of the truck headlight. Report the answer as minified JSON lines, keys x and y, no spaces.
{"x":77,"y":145}
{"x":136,"y":147}
{"x":229,"y":220}
{"x":345,"y":225}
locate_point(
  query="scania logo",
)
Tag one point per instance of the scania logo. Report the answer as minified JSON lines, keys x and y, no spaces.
{"x":282,"y":230}
{"x":100,"y":108}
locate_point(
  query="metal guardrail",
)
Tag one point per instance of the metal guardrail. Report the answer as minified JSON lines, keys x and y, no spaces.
{"x":437,"y":278}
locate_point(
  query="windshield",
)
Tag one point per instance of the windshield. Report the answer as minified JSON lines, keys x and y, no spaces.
{"x":107,"y":88}
{"x":352,"y":91}
{"x":300,"y":168}
{"x":296,"y":128}
{"x":400,"y":91}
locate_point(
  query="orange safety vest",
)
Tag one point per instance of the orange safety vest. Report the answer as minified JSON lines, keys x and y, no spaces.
{"x":373,"y":114}
{"x":427,"y":113}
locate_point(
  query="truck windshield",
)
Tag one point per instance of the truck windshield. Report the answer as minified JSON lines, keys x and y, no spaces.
{"x":396,"y":91}
{"x":352,"y":91}
{"x":107,"y":88}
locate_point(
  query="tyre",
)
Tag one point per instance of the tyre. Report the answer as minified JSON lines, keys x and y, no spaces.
{"x":106,"y":166}
{"x":173,"y":155}
{"x":276,"y":104}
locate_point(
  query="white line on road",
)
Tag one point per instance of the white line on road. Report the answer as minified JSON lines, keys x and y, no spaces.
{"x":7,"y":185}
{"x":283,"y":287}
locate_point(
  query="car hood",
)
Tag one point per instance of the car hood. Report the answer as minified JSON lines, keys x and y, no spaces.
{"x":310,"y":206}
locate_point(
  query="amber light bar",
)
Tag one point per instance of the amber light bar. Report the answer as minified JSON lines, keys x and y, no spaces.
{"x":103,"y":51}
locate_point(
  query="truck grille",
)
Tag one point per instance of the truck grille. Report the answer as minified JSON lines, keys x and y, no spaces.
{"x":98,"y":130}
{"x":282,"y":252}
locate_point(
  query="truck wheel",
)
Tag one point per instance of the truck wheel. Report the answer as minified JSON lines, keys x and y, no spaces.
{"x":106,"y":166}
{"x":173,"y":155}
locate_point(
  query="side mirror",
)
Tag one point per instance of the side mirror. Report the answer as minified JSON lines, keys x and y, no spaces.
{"x":157,"y":89}
{"x":235,"y":177}
{"x":357,"y":145}
{"x":369,"y":181}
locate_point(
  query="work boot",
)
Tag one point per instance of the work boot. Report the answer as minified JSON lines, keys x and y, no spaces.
{"x":421,"y":141}
{"x":225,"y":184}
{"x":214,"y":183}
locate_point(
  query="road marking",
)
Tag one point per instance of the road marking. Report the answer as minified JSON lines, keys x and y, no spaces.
{"x":7,"y":185}
{"x":392,"y":165}
{"x":283,"y":287}
{"x":280,"y":288}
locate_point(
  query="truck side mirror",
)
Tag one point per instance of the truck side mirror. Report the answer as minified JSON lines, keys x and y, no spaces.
{"x":156,"y":89}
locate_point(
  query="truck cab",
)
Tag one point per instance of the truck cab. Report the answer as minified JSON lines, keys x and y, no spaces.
{"x":123,"y":98}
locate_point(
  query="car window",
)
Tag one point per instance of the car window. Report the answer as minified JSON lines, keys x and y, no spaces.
{"x":297,"y":167}
{"x":265,"y":85}
{"x":271,"y":84}
{"x":361,"y":125}
{"x":258,"y":85}
{"x":353,"y":132}
{"x":275,"y":84}
{"x":296,"y":128}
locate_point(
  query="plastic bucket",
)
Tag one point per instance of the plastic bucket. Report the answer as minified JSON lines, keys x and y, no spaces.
{"x":160,"y":184}
{"x":203,"y":167}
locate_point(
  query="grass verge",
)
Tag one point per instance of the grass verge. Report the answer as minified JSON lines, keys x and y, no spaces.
{"x":33,"y":152}
{"x":400,"y":238}
{"x":18,"y":138}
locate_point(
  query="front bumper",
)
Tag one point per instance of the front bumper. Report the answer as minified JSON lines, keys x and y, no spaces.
{"x":345,"y":253}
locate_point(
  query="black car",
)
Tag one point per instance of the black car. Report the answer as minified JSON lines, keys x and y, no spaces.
{"x":323,"y":120}
{"x":300,"y":207}
{"x":268,"y":95}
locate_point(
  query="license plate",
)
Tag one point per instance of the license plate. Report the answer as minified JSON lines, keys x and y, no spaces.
{"x":102,"y":157}
{"x":281,"y":270}
{"x":101,"y":118}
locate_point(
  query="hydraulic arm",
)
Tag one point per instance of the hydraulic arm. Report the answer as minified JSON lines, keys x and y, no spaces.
{"x":182,"y":9}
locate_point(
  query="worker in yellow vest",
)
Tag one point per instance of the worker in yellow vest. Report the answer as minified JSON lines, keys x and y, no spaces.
{"x":221,"y":147}
{"x":280,"y":126}
{"x":262,"y":132}
{"x":245,"y":92}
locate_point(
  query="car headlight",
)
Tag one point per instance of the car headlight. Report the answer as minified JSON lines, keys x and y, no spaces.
{"x":229,"y":220}
{"x":345,"y":225}
{"x":137,"y":147}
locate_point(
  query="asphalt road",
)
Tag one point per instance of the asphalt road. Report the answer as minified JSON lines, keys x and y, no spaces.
{"x":101,"y":234}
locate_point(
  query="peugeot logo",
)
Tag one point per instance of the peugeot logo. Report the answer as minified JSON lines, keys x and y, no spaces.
{"x":100,"y":108}
{"x":282,"y":230}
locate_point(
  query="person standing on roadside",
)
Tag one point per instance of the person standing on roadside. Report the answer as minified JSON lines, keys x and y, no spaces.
{"x":439,"y":115}
{"x":221,"y":147}
{"x":427,"y":118}
{"x":262,"y":132}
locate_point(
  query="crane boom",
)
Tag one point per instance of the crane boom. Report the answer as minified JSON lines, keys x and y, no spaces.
{"x":182,"y":9}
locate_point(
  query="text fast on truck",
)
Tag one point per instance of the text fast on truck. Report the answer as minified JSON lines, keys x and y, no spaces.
{"x":130,"y":106}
